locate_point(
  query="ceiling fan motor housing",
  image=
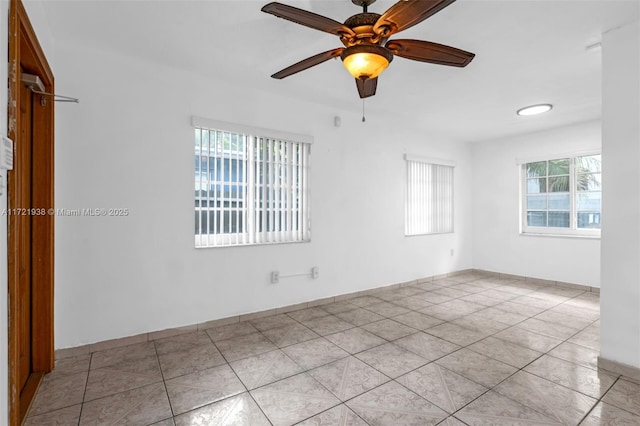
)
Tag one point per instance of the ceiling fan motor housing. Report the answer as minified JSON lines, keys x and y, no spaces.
{"x":362,"y":25}
{"x":362,"y":2}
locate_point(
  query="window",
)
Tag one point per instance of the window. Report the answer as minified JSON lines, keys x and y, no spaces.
{"x":562,"y":196}
{"x":429,"y":198}
{"x":251,"y":185}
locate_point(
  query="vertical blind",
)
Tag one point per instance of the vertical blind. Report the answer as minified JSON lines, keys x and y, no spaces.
{"x":250,"y":189}
{"x":429,"y":197}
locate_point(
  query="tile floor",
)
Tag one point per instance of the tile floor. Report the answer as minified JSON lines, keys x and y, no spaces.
{"x":462,"y":350}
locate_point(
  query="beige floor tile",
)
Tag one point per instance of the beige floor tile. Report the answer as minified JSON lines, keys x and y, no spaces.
{"x":590,"y":382}
{"x":557,"y":402}
{"x":364,"y":300}
{"x":586,"y":301}
{"x":470,"y":287}
{"x":507,"y":352}
{"x":443,"y":387}
{"x":166,"y":422}
{"x":535,"y":302}
{"x":456,"y":334}
{"x":452,"y":310}
{"x":244,"y":346}
{"x":327,"y":325}
{"x":608,"y":415}
{"x":314,"y":353}
{"x":550,"y":329}
{"x":418,"y":320}
{"x":389,"y":329}
{"x":336,"y":416}
{"x":528,"y":339}
{"x":355,"y":340}
{"x":426,"y":286}
{"x":122,"y":354}
{"x":289,"y":335}
{"x":265,"y":368}
{"x":123,"y":376}
{"x":498,"y":293}
{"x":589,"y":337}
{"x":505,"y":324}
{"x":72,"y":365}
{"x":339,"y":307}
{"x":493,"y":409}
{"x":145,"y":405}
{"x":481,"y":325}
{"x":308,"y":314}
{"x":427,"y":346}
{"x":388,"y":295}
{"x":230,"y":331}
{"x":182,"y":342}
{"x":519,"y":308}
{"x":482,"y":299}
{"x":272,"y":321}
{"x":391,"y":360}
{"x":394,"y":405}
{"x":577,"y":354}
{"x":625,"y":395}
{"x":294,"y":399}
{"x":202,"y":388}
{"x":547,"y":296}
{"x":348,"y":377}
{"x":387,"y":309}
{"x":237,"y":410}
{"x":178,"y":363}
{"x":585,"y":313}
{"x":564,"y":319}
{"x":359,"y":317}
{"x":407,"y":291}
{"x":61,"y":417}
{"x":501,"y":316}
{"x":59,"y":392}
{"x":479,"y":368}
{"x":433,"y":297}
{"x":412,"y":303}
{"x":452,"y":292}
{"x":451,"y":421}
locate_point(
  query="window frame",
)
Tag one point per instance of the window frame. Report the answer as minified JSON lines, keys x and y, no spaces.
{"x":408,"y":210}
{"x":572,"y":230}
{"x":252,"y":136}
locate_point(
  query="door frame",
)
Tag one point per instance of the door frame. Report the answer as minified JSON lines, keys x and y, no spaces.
{"x":26,"y":53}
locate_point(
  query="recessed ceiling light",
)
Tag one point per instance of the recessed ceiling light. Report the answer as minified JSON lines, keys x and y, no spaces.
{"x":535,"y":109}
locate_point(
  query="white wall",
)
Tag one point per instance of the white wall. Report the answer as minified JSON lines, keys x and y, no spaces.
{"x":497,"y":244}
{"x":620,"y":298}
{"x":4,"y":341}
{"x":129,"y":144}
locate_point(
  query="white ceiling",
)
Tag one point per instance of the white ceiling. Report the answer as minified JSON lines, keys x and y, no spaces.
{"x":526,"y":52}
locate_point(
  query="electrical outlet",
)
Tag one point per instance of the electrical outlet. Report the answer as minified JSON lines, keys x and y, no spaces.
{"x":315,"y":271}
{"x":275,"y":277}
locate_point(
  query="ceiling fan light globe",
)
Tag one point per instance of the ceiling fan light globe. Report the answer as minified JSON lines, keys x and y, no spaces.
{"x":366,"y":61}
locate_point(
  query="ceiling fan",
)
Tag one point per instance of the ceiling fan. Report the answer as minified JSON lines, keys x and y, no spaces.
{"x":368,"y":50}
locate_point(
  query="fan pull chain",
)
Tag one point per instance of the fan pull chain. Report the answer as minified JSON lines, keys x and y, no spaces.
{"x":363,"y":119}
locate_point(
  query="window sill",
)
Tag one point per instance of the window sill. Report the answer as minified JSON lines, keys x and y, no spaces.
{"x":533,"y":234}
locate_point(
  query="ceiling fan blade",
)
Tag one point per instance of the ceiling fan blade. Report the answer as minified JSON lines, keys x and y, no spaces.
{"x":308,"y":63}
{"x":407,"y":13}
{"x":367,"y":87}
{"x":308,"y":19}
{"x":426,"y":51}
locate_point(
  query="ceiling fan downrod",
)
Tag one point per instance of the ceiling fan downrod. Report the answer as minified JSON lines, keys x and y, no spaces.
{"x":364,"y":3}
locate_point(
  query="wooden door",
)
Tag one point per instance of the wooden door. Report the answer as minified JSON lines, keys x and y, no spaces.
{"x":31,"y":225}
{"x":22,"y":222}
